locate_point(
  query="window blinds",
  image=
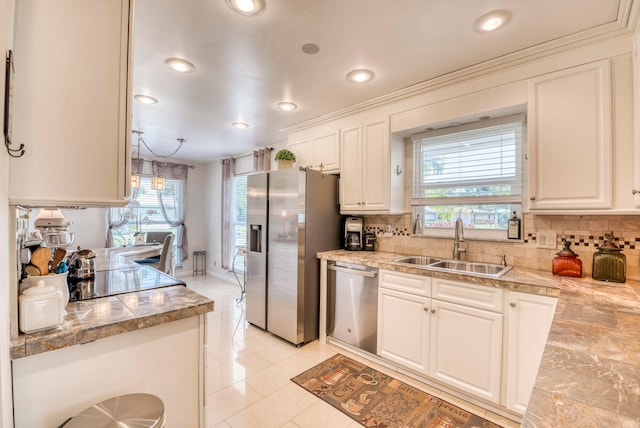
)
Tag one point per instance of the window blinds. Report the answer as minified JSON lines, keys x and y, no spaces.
{"x":469,"y":164}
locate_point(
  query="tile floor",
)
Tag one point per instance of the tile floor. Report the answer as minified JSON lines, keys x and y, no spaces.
{"x":248,"y":372}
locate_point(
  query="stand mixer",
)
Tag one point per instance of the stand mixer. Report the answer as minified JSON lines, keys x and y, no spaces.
{"x":53,"y":227}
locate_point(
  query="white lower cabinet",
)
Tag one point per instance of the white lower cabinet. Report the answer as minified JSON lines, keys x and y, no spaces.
{"x":462,"y":334}
{"x":404,"y":328}
{"x":466,"y":349}
{"x":529,"y":321}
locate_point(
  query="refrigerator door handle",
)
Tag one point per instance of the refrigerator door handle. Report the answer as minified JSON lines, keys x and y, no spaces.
{"x":367,"y":273}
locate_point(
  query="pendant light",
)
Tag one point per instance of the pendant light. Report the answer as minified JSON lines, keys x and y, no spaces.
{"x":158,"y":183}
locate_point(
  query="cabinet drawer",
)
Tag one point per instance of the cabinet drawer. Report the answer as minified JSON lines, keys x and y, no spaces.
{"x":409,"y":283}
{"x":475,"y":296}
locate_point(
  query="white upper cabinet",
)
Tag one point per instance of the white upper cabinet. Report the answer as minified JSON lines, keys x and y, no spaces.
{"x":570,"y":139}
{"x":369,"y":180}
{"x":71,"y":102}
{"x":320,"y":152}
{"x":636,"y":116}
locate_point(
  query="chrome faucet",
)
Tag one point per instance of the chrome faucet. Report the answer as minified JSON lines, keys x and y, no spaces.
{"x":458,"y":239}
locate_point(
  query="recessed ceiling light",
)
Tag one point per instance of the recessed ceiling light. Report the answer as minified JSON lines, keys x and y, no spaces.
{"x":493,"y":20}
{"x":145,"y":99}
{"x":360,"y":76}
{"x":240,"y":125}
{"x":247,"y":7}
{"x":287,"y":106}
{"x":180,"y":65}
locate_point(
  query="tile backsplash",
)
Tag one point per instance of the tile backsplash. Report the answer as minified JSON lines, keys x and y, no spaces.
{"x":586,"y":232}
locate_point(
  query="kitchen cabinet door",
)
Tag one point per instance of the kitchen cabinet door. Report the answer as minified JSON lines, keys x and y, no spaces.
{"x":320,"y":152}
{"x":368,"y":182}
{"x":326,"y":152}
{"x":376,"y":166}
{"x":301,"y":149}
{"x":403,"y":329}
{"x":351,"y":171}
{"x":636,"y":118}
{"x":466,"y":349}
{"x":71,"y":102}
{"x":570,"y":139}
{"x":529,"y":321}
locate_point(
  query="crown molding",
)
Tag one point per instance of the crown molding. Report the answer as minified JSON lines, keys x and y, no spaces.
{"x":623,"y":27}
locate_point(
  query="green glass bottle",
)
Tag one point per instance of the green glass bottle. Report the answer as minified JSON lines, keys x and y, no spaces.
{"x":609,"y":264}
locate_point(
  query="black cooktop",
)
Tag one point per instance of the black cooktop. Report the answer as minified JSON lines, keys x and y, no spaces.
{"x":119,"y":281}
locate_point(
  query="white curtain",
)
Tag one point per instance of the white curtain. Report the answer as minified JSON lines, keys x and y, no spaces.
{"x":117,"y":217}
{"x":262,"y":159}
{"x":174,"y":171}
{"x":227,"y":210}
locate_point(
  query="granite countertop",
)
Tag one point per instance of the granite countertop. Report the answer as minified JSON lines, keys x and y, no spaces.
{"x":90,"y":320}
{"x":589,"y":375}
{"x":93,"y":319}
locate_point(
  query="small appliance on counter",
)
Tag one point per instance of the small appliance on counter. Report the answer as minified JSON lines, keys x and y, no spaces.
{"x":353,"y":233}
{"x":370,"y":243}
{"x":53,"y":227}
{"x":82,"y":265}
{"x":566,"y":262}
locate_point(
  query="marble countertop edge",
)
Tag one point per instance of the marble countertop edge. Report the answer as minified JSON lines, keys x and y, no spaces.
{"x":90,"y":320}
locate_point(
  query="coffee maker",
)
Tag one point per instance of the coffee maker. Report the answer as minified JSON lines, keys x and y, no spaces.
{"x":353,"y":233}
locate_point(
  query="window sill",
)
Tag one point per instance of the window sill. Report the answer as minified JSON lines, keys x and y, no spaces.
{"x":470,"y":235}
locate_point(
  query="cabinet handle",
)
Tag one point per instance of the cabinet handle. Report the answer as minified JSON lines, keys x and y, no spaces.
{"x":512,"y":304}
{"x":426,"y":309}
{"x":433,"y":311}
{"x":533,"y":198}
{"x":634,"y":191}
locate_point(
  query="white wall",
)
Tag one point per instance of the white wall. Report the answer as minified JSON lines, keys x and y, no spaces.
{"x":6,"y":405}
{"x":213,"y":211}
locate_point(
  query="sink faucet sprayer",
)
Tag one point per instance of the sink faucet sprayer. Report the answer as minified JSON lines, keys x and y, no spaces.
{"x":458,"y":239}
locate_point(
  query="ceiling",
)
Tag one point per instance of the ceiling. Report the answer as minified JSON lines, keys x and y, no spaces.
{"x":245,"y":65}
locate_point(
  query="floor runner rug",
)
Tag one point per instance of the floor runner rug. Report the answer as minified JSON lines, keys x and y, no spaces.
{"x":376,"y":400}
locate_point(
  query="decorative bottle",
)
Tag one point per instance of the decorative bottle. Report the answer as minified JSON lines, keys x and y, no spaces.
{"x":417,"y":226}
{"x":609,"y":264}
{"x":566,"y":262}
{"x":513,"y":227}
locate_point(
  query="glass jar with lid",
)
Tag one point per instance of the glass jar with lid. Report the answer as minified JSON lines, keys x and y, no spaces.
{"x":566,"y":262}
{"x":609,"y":264}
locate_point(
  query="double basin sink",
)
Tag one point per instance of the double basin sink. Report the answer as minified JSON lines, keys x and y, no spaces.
{"x":459,"y":266}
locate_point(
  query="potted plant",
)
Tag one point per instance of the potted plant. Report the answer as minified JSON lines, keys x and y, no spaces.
{"x":285,"y":158}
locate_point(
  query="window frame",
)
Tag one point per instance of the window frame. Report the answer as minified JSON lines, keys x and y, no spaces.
{"x":514,"y":200}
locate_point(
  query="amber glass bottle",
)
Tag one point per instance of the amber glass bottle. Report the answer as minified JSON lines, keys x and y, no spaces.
{"x":566,"y":262}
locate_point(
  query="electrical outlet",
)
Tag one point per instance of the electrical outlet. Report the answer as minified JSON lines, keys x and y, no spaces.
{"x":546,"y":240}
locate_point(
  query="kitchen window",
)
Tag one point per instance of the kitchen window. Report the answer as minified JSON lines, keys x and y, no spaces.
{"x":471,"y":171}
{"x":143,"y":214}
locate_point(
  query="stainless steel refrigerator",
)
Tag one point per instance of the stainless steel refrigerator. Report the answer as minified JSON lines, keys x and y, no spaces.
{"x":291,"y":215}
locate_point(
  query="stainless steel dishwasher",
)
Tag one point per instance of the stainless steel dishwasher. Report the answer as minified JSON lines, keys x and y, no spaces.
{"x":352,"y":305}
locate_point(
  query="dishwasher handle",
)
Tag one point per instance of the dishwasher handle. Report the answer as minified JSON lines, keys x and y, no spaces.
{"x":354,"y":270}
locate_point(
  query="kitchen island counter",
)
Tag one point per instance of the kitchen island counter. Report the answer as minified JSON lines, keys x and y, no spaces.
{"x":94,"y":319}
{"x":590,"y":370}
{"x":149,"y":340}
